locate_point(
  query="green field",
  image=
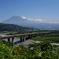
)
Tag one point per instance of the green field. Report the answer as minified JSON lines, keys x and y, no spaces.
{"x":53,"y":37}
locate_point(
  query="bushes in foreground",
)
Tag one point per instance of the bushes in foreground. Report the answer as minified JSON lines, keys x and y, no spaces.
{"x":42,"y":50}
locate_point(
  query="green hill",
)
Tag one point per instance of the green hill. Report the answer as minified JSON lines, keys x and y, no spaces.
{"x":12,"y":27}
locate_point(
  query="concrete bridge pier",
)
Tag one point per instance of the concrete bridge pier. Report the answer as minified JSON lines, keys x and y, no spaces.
{"x":35,"y":35}
{"x":21,"y":39}
{"x":8,"y":40}
{"x":31,"y":36}
{"x":38,"y":35}
{"x":13,"y":41}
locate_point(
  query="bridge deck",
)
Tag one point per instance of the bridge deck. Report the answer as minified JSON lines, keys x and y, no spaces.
{"x":12,"y":36}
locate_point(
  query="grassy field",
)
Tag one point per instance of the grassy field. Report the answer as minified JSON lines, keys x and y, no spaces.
{"x":53,"y":37}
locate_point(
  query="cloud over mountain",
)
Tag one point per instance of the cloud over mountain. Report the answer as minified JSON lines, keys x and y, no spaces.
{"x":39,"y":20}
{"x":35,"y":23}
{"x":23,"y":17}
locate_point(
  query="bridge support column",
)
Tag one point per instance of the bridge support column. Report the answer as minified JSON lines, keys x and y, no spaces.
{"x":20,"y":39}
{"x":29,"y":36}
{"x":34,"y":35}
{"x":12,"y":41}
{"x":24,"y":38}
{"x":37,"y":35}
{"x":8,"y":40}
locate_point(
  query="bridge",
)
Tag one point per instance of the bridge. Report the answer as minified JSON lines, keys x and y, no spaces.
{"x":23,"y":37}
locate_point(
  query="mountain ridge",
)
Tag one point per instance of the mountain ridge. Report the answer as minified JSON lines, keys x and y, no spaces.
{"x":22,"y":21}
{"x":12,"y":27}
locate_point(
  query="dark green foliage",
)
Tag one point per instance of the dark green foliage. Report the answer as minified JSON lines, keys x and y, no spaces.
{"x":44,"y":50}
{"x":11,"y":27}
{"x":21,"y":52}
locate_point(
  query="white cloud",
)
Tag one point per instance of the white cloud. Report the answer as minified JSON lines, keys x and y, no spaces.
{"x":36,"y":20}
{"x":42,"y":20}
{"x":23,"y":17}
{"x":39,"y":20}
{"x":30,"y":19}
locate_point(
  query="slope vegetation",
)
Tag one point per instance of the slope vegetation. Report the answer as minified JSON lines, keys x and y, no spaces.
{"x":12,"y":27}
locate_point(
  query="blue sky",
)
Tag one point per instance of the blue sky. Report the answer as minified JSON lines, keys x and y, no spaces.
{"x":34,"y":9}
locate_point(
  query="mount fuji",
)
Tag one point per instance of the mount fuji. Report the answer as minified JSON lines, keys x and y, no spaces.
{"x":27,"y":22}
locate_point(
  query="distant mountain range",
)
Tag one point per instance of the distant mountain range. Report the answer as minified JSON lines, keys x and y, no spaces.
{"x":11,"y":27}
{"x":22,"y":21}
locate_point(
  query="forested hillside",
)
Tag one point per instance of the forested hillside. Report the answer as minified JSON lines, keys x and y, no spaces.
{"x":12,"y":27}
